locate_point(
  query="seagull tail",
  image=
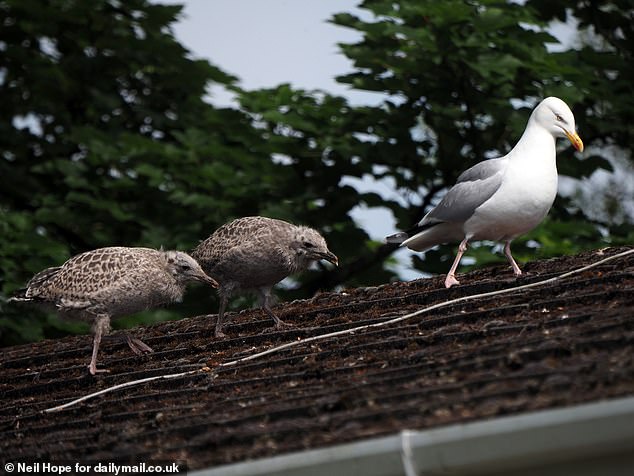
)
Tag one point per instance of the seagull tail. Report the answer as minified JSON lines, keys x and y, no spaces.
{"x":434,"y":234}
{"x":397,"y":238}
{"x":403,"y":237}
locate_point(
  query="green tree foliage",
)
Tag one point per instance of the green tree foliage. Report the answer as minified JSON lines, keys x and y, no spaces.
{"x":316,"y":137}
{"x":105,"y":140}
{"x":105,"y":137}
{"x":462,"y":77}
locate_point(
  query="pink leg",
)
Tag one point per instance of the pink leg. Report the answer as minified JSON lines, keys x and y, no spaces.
{"x":507,"y":251}
{"x":101,"y":327}
{"x":450,"y":280}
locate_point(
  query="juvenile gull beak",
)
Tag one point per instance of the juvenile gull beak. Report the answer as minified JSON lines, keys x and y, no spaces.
{"x":575,"y":140}
{"x":330,"y":257}
{"x":203,"y":278}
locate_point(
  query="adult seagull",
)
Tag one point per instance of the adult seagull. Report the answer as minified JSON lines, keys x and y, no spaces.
{"x":500,"y":199}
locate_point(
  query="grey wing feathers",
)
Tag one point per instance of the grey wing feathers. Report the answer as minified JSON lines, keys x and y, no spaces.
{"x":483,"y":170}
{"x":474,"y":187}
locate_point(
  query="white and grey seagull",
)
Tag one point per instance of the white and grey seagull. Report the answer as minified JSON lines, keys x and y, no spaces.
{"x":500,"y":199}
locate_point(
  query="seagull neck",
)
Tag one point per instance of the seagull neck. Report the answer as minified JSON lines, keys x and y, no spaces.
{"x":534,"y":136}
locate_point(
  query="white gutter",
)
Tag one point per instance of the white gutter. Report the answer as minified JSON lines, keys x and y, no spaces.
{"x":589,"y":439}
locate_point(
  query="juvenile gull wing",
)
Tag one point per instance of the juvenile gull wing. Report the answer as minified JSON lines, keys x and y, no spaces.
{"x":95,"y":272}
{"x":43,"y":276}
{"x":33,"y":287}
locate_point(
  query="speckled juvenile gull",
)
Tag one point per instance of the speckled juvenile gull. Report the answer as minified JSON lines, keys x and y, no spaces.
{"x":500,"y":199}
{"x":255,"y":253}
{"x":111,"y":282}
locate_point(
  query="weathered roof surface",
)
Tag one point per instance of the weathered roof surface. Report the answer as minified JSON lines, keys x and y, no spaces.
{"x":566,"y":342}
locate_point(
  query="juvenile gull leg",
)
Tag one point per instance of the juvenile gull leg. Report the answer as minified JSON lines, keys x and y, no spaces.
{"x":450,"y":280}
{"x":507,"y":251}
{"x":221,"y":312}
{"x":137,"y":345}
{"x":101,"y":327}
{"x":265,"y":294}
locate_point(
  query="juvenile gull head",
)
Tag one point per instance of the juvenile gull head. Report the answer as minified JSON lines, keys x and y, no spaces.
{"x":112,"y":282}
{"x":500,"y":199}
{"x":255,"y":253}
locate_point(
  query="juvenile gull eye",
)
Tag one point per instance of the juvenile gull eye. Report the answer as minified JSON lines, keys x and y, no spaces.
{"x":308,"y":244}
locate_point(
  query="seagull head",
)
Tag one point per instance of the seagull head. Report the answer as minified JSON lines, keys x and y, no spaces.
{"x":310,"y":246}
{"x":555,"y":116}
{"x":185,"y":268}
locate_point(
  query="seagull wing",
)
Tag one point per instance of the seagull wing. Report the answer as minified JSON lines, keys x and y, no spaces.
{"x":474,"y":187}
{"x":444,"y":222}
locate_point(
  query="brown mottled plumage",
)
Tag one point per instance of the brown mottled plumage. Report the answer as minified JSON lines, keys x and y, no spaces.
{"x":255,"y":253}
{"x":111,"y":282}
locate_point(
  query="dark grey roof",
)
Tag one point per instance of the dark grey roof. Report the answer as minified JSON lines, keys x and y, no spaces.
{"x":556,"y":345}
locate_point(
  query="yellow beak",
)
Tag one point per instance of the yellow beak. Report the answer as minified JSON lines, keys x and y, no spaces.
{"x":575,"y":140}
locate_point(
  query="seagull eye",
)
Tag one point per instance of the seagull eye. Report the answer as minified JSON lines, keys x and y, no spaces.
{"x":185,"y":267}
{"x":308,"y":244}
{"x":559,"y":118}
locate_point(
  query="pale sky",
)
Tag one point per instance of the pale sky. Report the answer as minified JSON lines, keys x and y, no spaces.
{"x":266,"y":43}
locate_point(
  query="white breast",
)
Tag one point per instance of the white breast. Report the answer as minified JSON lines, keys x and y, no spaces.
{"x":527,"y":192}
